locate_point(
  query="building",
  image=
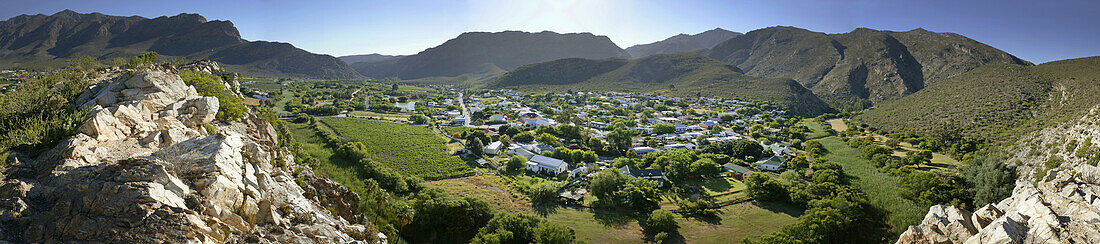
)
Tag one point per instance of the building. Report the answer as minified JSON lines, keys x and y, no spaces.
{"x":771,"y":164}
{"x":493,"y":148}
{"x":406,"y":107}
{"x":736,"y":171}
{"x":543,"y":164}
{"x":649,"y":174}
{"x":643,"y":150}
{"x":497,"y":118}
{"x":778,"y":149}
{"x":679,"y":146}
{"x":538,"y":122}
{"x":460,"y":121}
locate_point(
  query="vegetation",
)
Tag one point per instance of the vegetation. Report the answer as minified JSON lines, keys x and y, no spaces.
{"x":230,"y":106}
{"x":409,"y":149}
{"x":40,"y":111}
{"x":522,"y":228}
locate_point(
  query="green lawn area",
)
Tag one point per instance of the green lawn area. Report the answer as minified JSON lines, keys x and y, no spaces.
{"x":338,"y":171}
{"x":838,"y":125}
{"x":818,"y":130}
{"x":281,"y":103}
{"x":734,"y":222}
{"x":410,"y":149}
{"x":881,"y":188}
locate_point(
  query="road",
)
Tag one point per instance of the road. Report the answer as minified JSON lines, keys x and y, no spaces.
{"x":465,"y":111}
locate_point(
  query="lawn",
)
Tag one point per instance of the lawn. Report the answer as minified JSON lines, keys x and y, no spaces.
{"x":337,"y":171}
{"x":410,"y":149}
{"x":818,"y":130}
{"x":733,"y":223}
{"x":838,"y":125}
{"x":881,"y":188}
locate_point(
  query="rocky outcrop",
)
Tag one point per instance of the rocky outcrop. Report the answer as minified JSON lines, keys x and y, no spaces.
{"x":1056,"y":199}
{"x":143,"y":169}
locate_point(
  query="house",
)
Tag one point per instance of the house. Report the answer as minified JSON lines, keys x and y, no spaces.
{"x":778,"y":149}
{"x":771,"y":164}
{"x":597,"y":125}
{"x":538,"y":122}
{"x":643,"y":150}
{"x":723,"y":138}
{"x":736,"y":171}
{"x":649,"y":174}
{"x":543,"y":164}
{"x":497,"y":118}
{"x":460,"y":121}
{"x":679,"y":146}
{"x":531,"y":148}
{"x":493,"y":148}
{"x":681,"y":128}
{"x":518,"y":150}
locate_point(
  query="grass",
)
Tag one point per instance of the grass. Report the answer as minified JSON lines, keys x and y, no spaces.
{"x":881,"y":188}
{"x":838,"y":125}
{"x":385,"y":116}
{"x":732,"y":224}
{"x":818,"y":130}
{"x":315,"y":147}
{"x":410,"y":149}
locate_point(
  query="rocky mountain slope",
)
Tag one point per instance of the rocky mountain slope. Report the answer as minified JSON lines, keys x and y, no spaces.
{"x":682,"y":74}
{"x":997,"y":101}
{"x":369,"y":58}
{"x":41,"y":40}
{"x":682,"y":43}
{"x":143,"y":169}
{"x":1056,"y":199}
{"x":856,"y":69}
{"x":471,"y":51}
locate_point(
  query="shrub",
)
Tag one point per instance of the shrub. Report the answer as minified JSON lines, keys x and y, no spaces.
{"x":516,"y":163}
{"x":661,"y":220}
{"x":231,"y":107}
{"x":143,"y":61}
{"x":210,"y":130}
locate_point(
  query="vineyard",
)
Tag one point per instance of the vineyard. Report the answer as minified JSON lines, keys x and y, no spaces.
{"x":410,"y":149}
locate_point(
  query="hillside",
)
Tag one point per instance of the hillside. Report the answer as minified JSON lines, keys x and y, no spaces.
{"x":368,"y":58}
{"x":996,"y":100}
{"x":31,"y":41}
{"x":682,"y":43}
{"x":469,"y":52}
{"x":856,"y":69}
{"x":682,"y":74}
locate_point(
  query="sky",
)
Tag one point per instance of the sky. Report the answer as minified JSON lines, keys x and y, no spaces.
{"x":1037,"y":31}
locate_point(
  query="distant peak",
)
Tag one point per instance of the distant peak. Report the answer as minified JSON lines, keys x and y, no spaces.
{"x":66,"y":12}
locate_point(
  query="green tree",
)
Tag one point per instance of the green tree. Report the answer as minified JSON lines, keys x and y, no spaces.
{"x":525,"y":136}
{"x":764,"y":188}
{"x":231,"y":107}
{"x":989,"y":179}
{"x":549,"y":139}
{"x":516,"y":163}
{"x":475,"y":146}
{"x":663,"y":128}
{"x":606,"y":183}
{"x":522,"y":228}
{"x":440,"y":218}
{"x":620,"y":140}
{"x":544,"y":192}
{"x":661,"y":220}
{"x":641,"y":195}
{"x":419,"y":119}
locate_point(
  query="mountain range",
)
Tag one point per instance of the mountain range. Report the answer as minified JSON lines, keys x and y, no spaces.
{"x":680,"y":74}
{"x":682,"y":43}
{"x":856,"y":69}
{"x":471,"y":52}
{"x":43,"y":40}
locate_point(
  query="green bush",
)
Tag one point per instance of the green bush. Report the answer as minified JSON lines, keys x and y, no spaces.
{"x":143,"y":61}
{"x":210,"y":130}
{"x":230,"y":107}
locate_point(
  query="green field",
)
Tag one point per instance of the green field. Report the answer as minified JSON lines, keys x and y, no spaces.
{"x":881,"y":188}
{"x":410,"y":149}
{"x":313,"y":145}
{"x":818,"y":130}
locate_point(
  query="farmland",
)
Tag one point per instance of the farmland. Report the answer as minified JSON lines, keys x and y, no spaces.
{"x":410,"y":149}
{"x":882,"y":188}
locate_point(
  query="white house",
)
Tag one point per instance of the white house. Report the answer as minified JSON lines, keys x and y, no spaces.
{"x":771,"y":164}
{"x":643,"y":150}
{"x":543,"y":164}
{"x":497,"y":118}
{"x":538,"y":122}
{"x":679,"y":146}
{"x":493,"y":148}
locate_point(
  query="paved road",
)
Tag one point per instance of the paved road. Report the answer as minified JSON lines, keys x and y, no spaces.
{"x":465,"y":111}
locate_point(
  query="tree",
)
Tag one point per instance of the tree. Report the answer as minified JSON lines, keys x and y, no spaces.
{"x":727,"y":118}
{"x":764,"y":188}
{"x":505,"y":141}
{"x":620,"y":140}
{"x":663,"y":128}
{"x":440,"y":218}
{"x":661,"y":220}
{"x":545,"y":191}
{"x":516,"y":163}
{"x":870,"y":150}
{"x":522,"y":228}
{"x":606,"y":183}
{"x":789,"y":176}
{"x":641,"y":195}
{"x":549,"y":139}
{"x":394,"y":88}
{"x":419,"y":119}
{"x":989,"y":179}
{"x":595,"y":144}
{"x":301,"y":118}
{"x":526,"y":136}
{"x":744,"y":150}
{"x":475,"y":146}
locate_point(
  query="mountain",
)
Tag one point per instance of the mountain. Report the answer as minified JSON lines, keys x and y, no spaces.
{"x":369,"y":58}
{"x":470,"y":52}
{"x":41,"y":40}
{"x":681,"y":74}
{"x":682,"y":43}
{"x":856,"y":69}
{"x":999,"y":101}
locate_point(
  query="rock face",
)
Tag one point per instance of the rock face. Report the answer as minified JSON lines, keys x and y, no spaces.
{"x":143,"y":170}
{"x":1052,"y":202}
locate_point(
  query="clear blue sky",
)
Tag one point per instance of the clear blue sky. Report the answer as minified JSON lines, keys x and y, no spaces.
{"x":1038,"y":31}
